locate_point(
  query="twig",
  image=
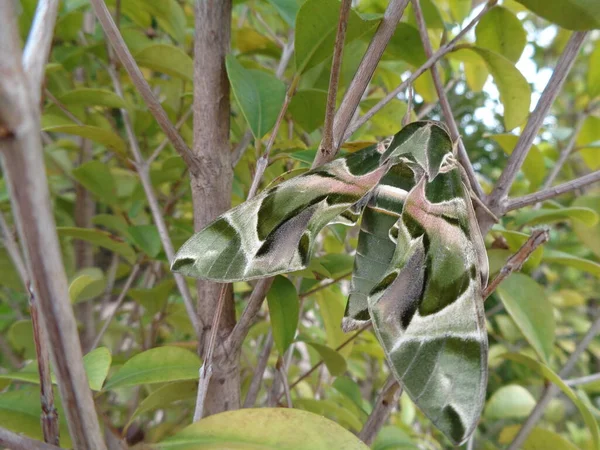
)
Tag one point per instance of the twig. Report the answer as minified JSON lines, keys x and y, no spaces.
{"x":122,"y":295}
{"x":154,"y":106}
{"x":327,"y":145}
{"x":365,"y":70}
{"x":206,"y":369}
{"x":497,"y":198}
{"x":516,"y":261}
{"x":555,"y":191}
{"x":552,"y":390}
{"x":270,"y":31}
{"x":583,"y":380}
{"x":387,"y":399}
{"x":7,"y":352}
{"x":165,"y":141}
{"x":241,"y":329}
{"x":288,"y":51}
{"x":49,"y":415}
{"x":62,"y":107}
{"x":445,"y":104}
{"x":13,"y":251}
{"x":23,"y":164}
{"x":239,"y":150}
{"x":441,"y":52}
{"x":325,"y":285}
{"x":259,"y":372}
{"x":39,"y":42}
{"x":15,"y":441}
{"x":282,"y":370}
{"x":155,"y":209}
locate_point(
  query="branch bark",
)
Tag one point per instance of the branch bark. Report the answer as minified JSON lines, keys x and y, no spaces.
{"x":16,"y":441}
{"x":22,"y":158}
{"x":388,"y":397}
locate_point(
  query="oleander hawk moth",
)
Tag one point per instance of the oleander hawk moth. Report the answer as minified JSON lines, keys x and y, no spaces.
{"x":419,"y":269}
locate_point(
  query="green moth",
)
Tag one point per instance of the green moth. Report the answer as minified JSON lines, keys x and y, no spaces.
{"x":420,"y":264}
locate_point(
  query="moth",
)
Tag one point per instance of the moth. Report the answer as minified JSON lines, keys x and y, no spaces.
{"x":420,"y":263}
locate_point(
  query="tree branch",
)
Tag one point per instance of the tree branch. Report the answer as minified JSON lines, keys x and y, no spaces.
{"x":22,"y":158}
{"x":497,"y":198}
{"x":259,"y":372}
{"x":365,"y":70}
{"x":154,"y":106}
{"x":387,"y":399}
{"x":241,"y":329}
{"x":39,"y":42}
{"x":445,"y":104}
{"x":552,"y":390}
{"x":555,"y":191}
{"x":16,"y":441}
{"x":327,"y":146}
{"x":441,"y":52}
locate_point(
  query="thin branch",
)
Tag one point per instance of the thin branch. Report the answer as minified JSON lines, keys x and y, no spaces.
{"x":327,"y":145}
{"x":206,"y":369}
{"x":552,"y":390}
{"x":259,"y":372}
{"x":288,"y":51}
{"x":62,"y":107}
{"x":365,"y":70}
{"x":15,"y":441}
{"x":241,"y":329}
{"x":445,"y":104}
{"x":534,"y":123}
{"x":155,"y":209}
{"x":516,"y":261}
{"x":49,"y":415}
{"x":39,"y":42}
{"x":165,"y":141}
{"x":282,"y":370}
{"x":552,"y":192}
{"x":270,"y":31}
{"x":240,"y":148}
{"x":387,"y":399}
{"x":154,"y":106}
{"x":12,"y":248}
{"x":325,"y":285}
{"x":441,"y":52}
{"x":583,"y":380}
{"x":117,"y":305}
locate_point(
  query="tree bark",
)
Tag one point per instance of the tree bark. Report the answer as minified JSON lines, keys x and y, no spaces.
{"x":211,"y":184}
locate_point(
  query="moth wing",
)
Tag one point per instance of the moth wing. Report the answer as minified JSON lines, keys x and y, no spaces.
{"x":275,"y":232}
{"x":428,"y":314}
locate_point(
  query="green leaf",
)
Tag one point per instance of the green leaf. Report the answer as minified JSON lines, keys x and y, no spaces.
{"x":335,"y":362}
{"x":431,"y":14}
{"x":166,"y":59}
{"x":97,"y":178}
{"x":288,"y":9}
{"x":316,"y":27}
{"x":20,"y":337}
{"x":509,"y":402}
{"x":340,"y":414}
{"x":385,"y":121}
{"x":538,"y":439}
{"x":515,"y":93}
{"x":332,"y":305}
{"x":547,"y":373}
{"x":502,"y":32}
{"x":153,"y":300}
{"x":569,"y":14}
{"x":588,"y":136}
{"x":92,"y":96}
{"x":166,"y":395}
{"x":589,"y":236}
{"x":586,"y":216}
{"x":107,"y":138}
{"x":96,"y":364}
{"x":460,"y":9}
{"x":527,"y":304}
{"x":533,"y":166}
{"x":593,"y":73}
{"x":170,"y":17}
{"x":265,"y":428}
{"x":100,"y":238}
{"x":308,"y":108}
{"x":284,"y":309}
{"x":406,"y":45}
{"x":147,"y":238}
{"x":393,"y":438}
{"x":87,"y":284}
{"x":259,"y":94}
{"x":157,"y":365}
{"x":554,"y":256}
{"x":10,"y":278}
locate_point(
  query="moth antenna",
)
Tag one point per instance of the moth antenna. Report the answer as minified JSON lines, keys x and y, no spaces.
{"x":483,"y":206}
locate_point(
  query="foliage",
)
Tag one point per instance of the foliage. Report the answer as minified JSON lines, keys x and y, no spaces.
{"x":146,"y":364}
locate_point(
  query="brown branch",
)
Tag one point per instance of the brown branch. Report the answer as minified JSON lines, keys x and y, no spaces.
{"x":165,"y":141}
{"x":552,"y":390}
{"x":445,"y":104}
{"x":441,"y":52}
{"x":154,"y":106}
{"x":387,"y":399}
{"x":365,"y":71}
{"x":516,"y":261}
{"x":39,"y":42}
{"x":12,"y":249}
{"x":497,"y":199}
{"x":62,"y":107}
{"x":15,"y":441}
{"x":49,"y":415}
{"x":530,"y":199}
{"x":22,"y":159}
{"x":325,"y":285}
{"x":327,"y":145}
{"x":259,"y":372}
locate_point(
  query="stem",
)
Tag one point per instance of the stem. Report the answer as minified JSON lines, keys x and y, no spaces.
{"x":259,"y":372}
{"x":365,"y":70}
{"x":154,"y":106}
{"x":327,"y":146}
{"x":387,"y":399}
{"x":16,"y":441}
{"x":445,"y":104}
